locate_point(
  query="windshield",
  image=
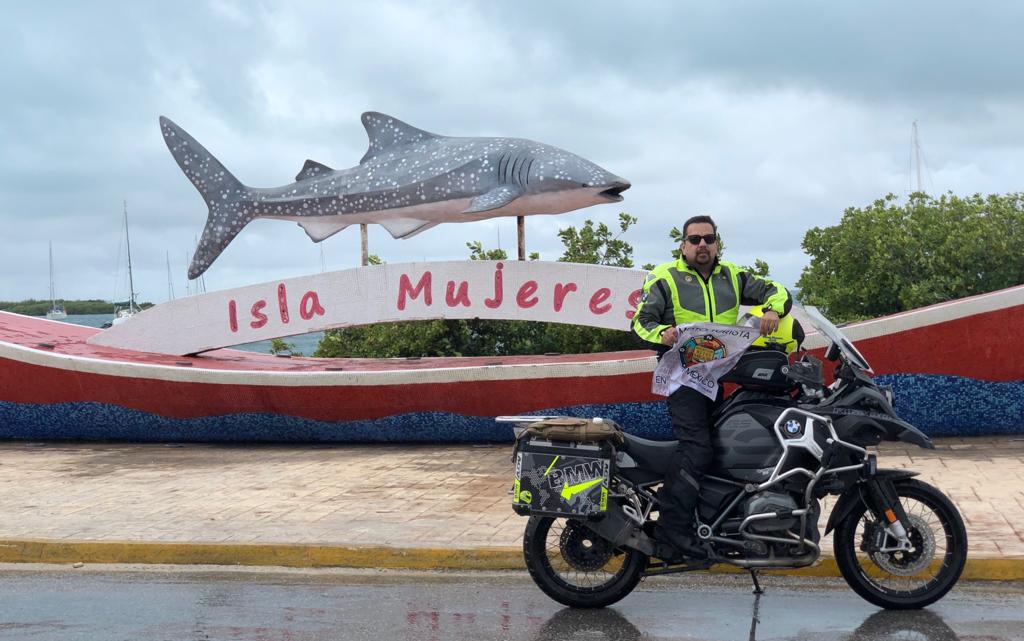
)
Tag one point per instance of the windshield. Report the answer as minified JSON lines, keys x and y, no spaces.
{"x":833,"y":333}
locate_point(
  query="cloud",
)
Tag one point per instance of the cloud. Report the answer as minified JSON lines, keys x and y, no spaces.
{"x":772,"y":117}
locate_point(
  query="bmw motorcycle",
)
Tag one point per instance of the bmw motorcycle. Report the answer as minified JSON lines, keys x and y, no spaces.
{"x":783,"y":441}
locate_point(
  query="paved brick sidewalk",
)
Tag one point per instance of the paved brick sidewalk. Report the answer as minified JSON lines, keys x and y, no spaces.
{"x":402,"y":496}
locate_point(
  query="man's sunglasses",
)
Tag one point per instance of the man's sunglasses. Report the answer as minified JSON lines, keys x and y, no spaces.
{"x":694,"y":239}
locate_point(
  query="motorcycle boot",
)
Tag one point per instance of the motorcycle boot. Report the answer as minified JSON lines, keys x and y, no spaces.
{"x":675,"y":531}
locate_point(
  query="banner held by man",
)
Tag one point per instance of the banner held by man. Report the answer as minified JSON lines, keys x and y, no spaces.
{"x":702,"y":354}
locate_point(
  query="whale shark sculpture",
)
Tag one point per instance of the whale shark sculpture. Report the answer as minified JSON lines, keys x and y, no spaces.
{"x":408,"y":181}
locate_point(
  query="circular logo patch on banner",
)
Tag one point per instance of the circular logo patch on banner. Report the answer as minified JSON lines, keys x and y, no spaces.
{"x":702,"y":349}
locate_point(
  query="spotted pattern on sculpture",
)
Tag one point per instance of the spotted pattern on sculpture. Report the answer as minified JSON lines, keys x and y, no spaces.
{"x":408,"y":181}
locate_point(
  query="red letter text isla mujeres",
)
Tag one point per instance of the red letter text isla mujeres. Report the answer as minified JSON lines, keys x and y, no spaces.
{"x":634,"y":300}
{"x":310,"y":306}
{"x":599,"y":297}
{"x":282,"y":303}
{"x":405,"y":288}
{"x":495,"y":303}
{"x":561,"y":291}
{"x":232,"y":316}
{"x":259,"y":319}
{"x":525,"y":298}
{"x":453,"y":297}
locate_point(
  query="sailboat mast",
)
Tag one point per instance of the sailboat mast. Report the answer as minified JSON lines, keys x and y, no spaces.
{"x":128,"y":243}
{"x":170,"y":284}
{"x":917,"y":157}
{"x":201,"y":281}
{"x":53,"y":300}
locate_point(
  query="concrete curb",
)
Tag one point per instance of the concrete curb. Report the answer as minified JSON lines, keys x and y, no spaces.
{"x":364,"y":557}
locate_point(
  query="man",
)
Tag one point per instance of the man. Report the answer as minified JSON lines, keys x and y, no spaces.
{"x":696,"y":288}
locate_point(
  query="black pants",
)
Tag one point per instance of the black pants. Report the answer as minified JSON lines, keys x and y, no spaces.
{"x":691,"y":421}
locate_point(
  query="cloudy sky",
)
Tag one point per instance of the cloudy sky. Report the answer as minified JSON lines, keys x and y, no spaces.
{"x":771,"y":116}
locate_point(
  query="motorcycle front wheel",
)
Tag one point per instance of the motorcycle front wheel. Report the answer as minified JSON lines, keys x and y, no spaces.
{"x":575,"y":566}
{"x":904,"y":579}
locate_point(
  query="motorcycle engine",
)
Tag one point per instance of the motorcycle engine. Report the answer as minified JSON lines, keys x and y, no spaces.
{"x":769,"y":503}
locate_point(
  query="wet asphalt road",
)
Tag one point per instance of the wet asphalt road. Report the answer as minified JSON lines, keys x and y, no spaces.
{"x":95,"y":602}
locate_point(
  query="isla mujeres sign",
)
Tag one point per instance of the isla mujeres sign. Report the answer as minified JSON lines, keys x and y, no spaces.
{"x":570,"y":293}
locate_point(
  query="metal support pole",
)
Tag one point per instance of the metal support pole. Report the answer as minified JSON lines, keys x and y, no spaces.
{"x":521,"y":227}
{"x":365,"y":245}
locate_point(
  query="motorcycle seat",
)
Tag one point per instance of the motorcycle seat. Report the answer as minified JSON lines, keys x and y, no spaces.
{"x":653,"y":455}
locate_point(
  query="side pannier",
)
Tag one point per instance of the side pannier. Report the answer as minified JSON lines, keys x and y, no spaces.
{"x":563,"y":466}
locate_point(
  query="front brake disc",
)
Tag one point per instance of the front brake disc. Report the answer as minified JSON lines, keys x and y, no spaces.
{"x":913,"y":561}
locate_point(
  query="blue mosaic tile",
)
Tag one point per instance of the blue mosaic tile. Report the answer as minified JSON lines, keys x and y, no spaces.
{"x":96,"y":421}
{"x":957,"y":406}
{"x":938,"y":405}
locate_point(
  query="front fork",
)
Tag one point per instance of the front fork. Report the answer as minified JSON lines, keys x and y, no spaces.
{"x":885,"y":504}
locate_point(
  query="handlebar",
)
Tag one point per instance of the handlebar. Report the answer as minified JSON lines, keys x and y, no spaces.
{"x":807,"y":371}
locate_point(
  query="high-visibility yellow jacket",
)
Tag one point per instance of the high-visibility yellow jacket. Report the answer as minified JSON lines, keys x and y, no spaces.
{"x":676,"y":294}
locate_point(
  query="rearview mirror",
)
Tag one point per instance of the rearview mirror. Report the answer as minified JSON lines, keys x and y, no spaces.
{"x":832,"y":353}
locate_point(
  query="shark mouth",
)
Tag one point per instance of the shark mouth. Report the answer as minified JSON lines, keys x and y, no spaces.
{"x":614,"y":193}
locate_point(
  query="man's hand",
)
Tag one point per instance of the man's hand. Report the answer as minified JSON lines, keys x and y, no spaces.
{"x":671,"y":335}
{"x":769,"y":322}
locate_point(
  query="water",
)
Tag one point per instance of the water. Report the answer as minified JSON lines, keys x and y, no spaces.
{"x":89,"y":320}
{"x":305,"y":344}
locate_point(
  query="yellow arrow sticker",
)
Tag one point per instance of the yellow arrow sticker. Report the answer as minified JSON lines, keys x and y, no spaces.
{"x":553,"y":461}
{"x":569,"y":491}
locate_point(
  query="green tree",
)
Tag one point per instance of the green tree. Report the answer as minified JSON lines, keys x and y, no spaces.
{"x":477,"y":252}
{"x":596,"y":245}
{"x":759,"y":268}
{"x":889,"y":257}
{"x":280,"y":346}
{"x":34,"y":307}
{"x":396,"y":340}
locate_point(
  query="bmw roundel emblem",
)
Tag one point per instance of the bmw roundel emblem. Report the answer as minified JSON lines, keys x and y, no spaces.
{"x":792,"y":427}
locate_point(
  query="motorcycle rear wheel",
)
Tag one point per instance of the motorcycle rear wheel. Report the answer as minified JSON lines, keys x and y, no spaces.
{"x":575,"y":566}
{"x":905,"y":580}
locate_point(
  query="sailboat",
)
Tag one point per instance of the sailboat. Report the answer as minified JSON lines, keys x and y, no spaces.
{"x":125,"y":310}
{"x":170,"y":283}
{"x":57,"y":311}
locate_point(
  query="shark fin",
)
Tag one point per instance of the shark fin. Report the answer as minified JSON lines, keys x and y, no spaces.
{"x":312,"y":169}
{"x":385,"y":132}
{"x":406,"y":227}
{"x":494,"y":199}
{"x":321,"y":227}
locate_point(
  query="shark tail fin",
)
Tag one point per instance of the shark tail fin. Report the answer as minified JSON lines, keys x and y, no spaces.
{"x":228,"y":199}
